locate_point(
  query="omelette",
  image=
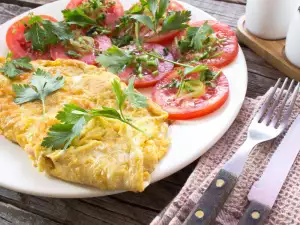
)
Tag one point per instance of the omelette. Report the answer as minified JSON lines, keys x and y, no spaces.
{"x":108,"y":154}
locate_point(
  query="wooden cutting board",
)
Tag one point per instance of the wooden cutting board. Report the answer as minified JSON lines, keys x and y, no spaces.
{"x":271,"y":50}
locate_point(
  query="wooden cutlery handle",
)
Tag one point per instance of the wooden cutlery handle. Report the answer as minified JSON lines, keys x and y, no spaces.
{"x":256,"y":214}
{"x":213,"y":199}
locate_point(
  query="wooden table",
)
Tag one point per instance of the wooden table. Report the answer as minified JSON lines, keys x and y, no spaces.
{"x":126,"y":208}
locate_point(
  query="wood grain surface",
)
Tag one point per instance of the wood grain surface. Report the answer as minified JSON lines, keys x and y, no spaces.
{"x":126,"y":208}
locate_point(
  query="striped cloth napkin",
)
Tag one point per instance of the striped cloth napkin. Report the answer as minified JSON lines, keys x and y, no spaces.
{"x":286,"y":210}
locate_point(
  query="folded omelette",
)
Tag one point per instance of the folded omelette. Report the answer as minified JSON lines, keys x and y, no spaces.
{"x":108,"y":154}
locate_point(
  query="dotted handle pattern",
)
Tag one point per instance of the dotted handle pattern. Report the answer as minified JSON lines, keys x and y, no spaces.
{"x":213,"y":199}
{"x":256,"y":214}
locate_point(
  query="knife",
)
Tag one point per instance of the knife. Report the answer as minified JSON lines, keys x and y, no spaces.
{"x":264,"y":192}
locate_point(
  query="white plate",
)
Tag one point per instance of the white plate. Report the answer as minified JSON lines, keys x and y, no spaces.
{"x":190,"y":139}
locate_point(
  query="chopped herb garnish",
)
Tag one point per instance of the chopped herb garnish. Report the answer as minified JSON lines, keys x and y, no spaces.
{"x":42,"y":84}
{"x":193,"y":87}
{"x":73,"y":118}
{"x":14,"y":67}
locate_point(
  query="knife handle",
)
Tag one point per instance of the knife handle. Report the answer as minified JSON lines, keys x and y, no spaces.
{"x":213,"y":199}
{"x":256,"y":214}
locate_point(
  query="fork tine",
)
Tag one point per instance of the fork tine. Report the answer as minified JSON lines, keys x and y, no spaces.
{"x":261,"y":112}
{"x":279,"y":113}
{"x":270,"y":112}
{"x":290,"y":108}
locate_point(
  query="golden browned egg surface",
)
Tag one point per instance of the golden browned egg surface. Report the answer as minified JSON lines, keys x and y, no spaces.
{"x":108,"y":154}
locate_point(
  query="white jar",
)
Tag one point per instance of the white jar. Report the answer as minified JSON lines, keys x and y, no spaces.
{"x":269,"y":19}
{"x":292,"y":45}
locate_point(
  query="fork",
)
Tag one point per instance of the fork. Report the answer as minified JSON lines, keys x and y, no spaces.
{"x":266,"y":125}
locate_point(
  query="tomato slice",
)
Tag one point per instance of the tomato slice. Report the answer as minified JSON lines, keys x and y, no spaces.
{"x":183,"y":108}
{"x":168,"y":37}
{"x":112,"y":14}
{"x":102,"y":43}
{"x":229,"y":47}
{"x":148,"y":78}
{"x":17,"y":44}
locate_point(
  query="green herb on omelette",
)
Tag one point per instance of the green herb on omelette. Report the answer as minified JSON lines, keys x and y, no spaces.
{"x":73,"y":118}
{"x":41,"y":85}
{"x":14,"y":67}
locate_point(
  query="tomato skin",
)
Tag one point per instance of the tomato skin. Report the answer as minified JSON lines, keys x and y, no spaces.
{"x":149,"y":80}
{"x":112,"y":15}
{"x":167,"y":38}
{"x":74,"y":3}
{"x":184,"y":109}
{"x":102,"y":43}
{"x":230,"y":47}
{"x":17,"y":44}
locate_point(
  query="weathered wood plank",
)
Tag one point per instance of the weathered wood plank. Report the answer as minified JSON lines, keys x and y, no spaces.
{"x":9,"y":11}
{"x":11,"y":215}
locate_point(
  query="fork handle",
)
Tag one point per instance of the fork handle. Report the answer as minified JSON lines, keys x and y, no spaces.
{"x":213,"y":199}
{"x":256,"y":214}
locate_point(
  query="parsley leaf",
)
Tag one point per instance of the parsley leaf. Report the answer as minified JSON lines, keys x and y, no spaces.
{"x":78,"y":17}
{"x":42,"y":84}
{"x":14,"y":67}
{"x":61,"y":135}
{"x":162,"y":8}
{"x":115,"y":59}
{"x":198,"y":35}
{"x":176,"y":20}
{"x":152,"y":6}
{"x":43,"y":33}
{"x":71,"y":114}
{"x":137,"y":100}
{"x":146,"y":20}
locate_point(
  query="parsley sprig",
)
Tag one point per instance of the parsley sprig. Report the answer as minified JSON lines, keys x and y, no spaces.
{"x":176,"y":20}
{"x":73,"y":118}
{"x":41,"y":85}
{"x":116,"y":60}
{"x":14,"y":67}
{"x":42,"y":32}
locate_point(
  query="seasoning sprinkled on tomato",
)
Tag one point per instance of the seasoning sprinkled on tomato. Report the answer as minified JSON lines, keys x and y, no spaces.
{"x":209,"y":42}
{"x":191,"y":92}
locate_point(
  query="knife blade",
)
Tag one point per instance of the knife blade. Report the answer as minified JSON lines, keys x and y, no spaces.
{"x":264,"y":192}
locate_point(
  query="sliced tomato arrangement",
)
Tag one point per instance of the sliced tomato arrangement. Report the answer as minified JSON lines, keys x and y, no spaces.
{"x":112,"y":14}
{"x":165,"y":38}
{"x":17,"y":44}
{"x":148,"y":78}
{"x":187,"y":107}
{"x":102,"y":43}
{"x":228,"y":47}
